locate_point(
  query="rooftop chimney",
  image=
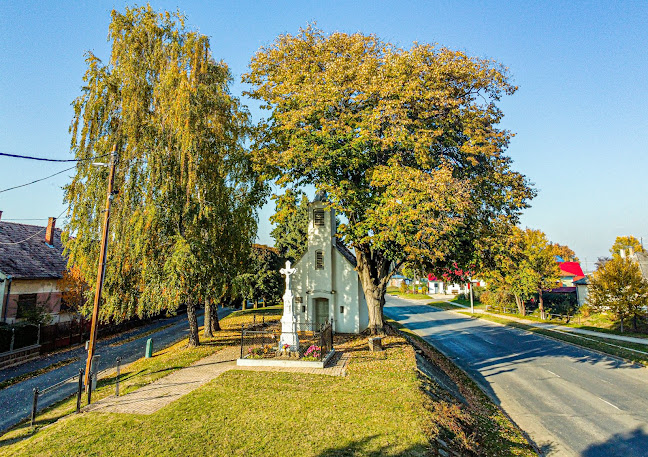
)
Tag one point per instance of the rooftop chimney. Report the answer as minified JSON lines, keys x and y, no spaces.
{"x":49,"y":234}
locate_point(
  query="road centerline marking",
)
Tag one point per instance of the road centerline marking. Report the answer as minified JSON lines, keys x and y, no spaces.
{"x":605,"y":401}
{"x":553,"y":373}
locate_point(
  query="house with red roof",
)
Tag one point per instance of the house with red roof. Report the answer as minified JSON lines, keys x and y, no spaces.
{"x":570,"y":272}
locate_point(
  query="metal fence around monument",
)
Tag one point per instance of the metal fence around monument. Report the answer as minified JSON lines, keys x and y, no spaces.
{"x":264,"y":342}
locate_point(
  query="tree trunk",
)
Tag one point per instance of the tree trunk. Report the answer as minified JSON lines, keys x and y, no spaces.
{"x":215,"y":322}
{"x":256,"y":303}
{"x":520,"y":305}
{"x":634,"y":322}
{"x":194,"y":338}
{"x":541,"y":304}
{"x":621,"y":324}
{"x":373,"y":270}
{"x":208,"y":318}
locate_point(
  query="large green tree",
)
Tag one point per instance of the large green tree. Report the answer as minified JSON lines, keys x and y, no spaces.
{"x":261,"y":278}
{"x":291,"y":224}
{"x":404,"y":141}
{"x":524,"y":264}
{"x":185,"y":188}
{"x":618,"y":286}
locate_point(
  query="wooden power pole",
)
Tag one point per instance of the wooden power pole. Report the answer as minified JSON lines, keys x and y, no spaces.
{"x":102,"y":268}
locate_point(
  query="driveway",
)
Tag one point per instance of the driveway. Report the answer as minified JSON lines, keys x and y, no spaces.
{"x":571,"y":401}
{"x":15,"y":400}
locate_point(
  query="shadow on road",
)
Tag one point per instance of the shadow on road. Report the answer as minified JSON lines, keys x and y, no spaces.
{"x":631,"y":444}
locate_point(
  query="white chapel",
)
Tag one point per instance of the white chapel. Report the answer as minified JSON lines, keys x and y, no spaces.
{"x":325,"y":284}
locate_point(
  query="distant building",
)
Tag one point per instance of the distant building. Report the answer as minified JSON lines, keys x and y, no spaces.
{"x":326,"y":285}
{"x":582,"y":285}
{"x":31,"y":263}
{"x":436,"y":286}
{"x":640,"y":258}
{"x":570,"y":272}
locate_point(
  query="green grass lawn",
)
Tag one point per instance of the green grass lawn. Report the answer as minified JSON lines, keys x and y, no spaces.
{"x":379,"y":408}
{"x":612,"y":347}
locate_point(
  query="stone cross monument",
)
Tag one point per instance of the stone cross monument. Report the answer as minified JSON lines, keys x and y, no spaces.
{"x":289,"y":320}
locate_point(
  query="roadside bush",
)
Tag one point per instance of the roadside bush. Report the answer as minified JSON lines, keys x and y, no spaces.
{"x":560,"y":303}
{"x":403,"y":287}
{"x":478,"y":291}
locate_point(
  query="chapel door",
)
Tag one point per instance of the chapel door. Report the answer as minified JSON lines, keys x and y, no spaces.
{"x":321,"y":311}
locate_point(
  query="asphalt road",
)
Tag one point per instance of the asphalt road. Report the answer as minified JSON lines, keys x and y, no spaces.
{"x":571,"y":401}
{"x":16,"y":400}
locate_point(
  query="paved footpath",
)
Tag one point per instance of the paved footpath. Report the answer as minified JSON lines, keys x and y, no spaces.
{"x":158,"y":394}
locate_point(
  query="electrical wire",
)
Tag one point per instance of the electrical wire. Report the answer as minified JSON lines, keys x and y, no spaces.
{"x":16,"y":156}
{"x":34,"y":234}
{"x":26,"y":219}
{"x":38,"y":180}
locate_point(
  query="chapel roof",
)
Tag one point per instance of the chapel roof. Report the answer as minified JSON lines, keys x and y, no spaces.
{"x":24,"y":254}
{"x":346,"y":253}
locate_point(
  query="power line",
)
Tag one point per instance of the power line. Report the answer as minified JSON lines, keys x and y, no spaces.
{"x":26,"y":219}
{"x":16,"y":156}
{"x":38,"y":180}
{"x":35,"y":233}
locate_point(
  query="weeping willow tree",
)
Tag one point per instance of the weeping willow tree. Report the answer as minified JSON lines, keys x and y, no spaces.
{"x":184,"y":209}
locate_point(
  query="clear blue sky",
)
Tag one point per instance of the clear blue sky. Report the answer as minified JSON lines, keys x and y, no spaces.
{"x":581,"y":114}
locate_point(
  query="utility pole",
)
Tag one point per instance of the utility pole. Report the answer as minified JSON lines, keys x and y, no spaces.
{"x":470,"y":287}
{"x":102,"y":268}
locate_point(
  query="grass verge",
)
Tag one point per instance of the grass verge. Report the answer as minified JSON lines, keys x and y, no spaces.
{"x":444,"y":305}
{"x":616,"y":348}
{"x":489,"y":430}
{"x":400,"y":294}
{"x":22,"y":377}
{"x":598,"y":322}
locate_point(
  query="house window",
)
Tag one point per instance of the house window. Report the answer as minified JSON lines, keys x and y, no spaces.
{"x":318,"y":217}
{"x":303,"y":308}
{"x":319,"y":260}
{"x":26,"y":305}
{"x":341,"y":309}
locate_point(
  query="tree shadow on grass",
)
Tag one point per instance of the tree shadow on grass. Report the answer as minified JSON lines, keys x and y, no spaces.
{"x":363,"y":447}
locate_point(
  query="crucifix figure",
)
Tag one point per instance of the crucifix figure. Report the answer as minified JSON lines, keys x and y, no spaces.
{"x":288,"y":272}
